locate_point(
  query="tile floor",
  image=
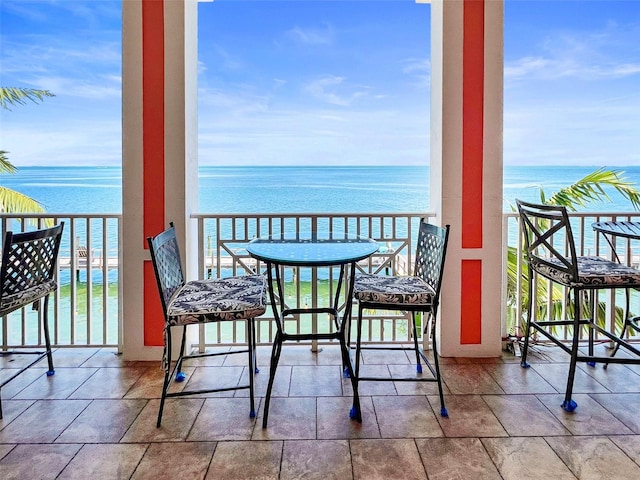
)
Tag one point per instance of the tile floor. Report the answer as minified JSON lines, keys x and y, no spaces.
{"x":95,"y":418}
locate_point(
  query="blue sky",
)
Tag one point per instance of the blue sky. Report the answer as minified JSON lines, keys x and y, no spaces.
{"x":327,"y":82}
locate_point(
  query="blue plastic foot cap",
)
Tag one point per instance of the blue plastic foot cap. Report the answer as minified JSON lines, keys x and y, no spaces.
{"x":444,"y":413}
{"x":569,"y":406}
{"x":352,"y":413}
{"x":524,"y":365}
{"x":252,"y":414}
{"x":257,"y":370}
{"x":591,"y":364}
{"x":180,"y":377}
{"x":345,"y":373}
{"x":419,"y":368}
{"x":50,"y":372}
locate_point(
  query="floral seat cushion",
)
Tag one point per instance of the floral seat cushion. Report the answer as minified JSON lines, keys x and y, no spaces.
{"x":398,"y":290}
{"x":13,"y":300}
{"x":214,"y":300}
{"x":592,"y":271}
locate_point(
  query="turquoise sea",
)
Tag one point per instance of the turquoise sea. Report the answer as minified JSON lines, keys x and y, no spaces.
{"x":291,"y":189}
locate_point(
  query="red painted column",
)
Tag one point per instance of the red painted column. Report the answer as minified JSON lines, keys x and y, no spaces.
{"x":153,"y":145}
{"x":472,"y":169}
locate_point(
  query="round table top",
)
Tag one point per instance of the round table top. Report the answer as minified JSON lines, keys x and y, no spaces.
{"x":619,"y":228}
{"x":312,"y":249}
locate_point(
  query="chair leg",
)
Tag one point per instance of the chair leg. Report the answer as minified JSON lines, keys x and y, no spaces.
{"x":180,"y":375}
{"x":275,"y":358}
{"x":527,"y":332}
{"x":569,"y":405}
{"x":167,"y":373}
{"x":356,"y":411}
{"x":47,"y":337}
{"x":251,"y":370}
{"x":434,"y":347}
{"x":415,"y":343}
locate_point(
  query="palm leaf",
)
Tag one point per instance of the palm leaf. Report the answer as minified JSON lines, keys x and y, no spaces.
{"x":19,"y":96}
{"x":591,"y":189}
{"x":15,"y":202}
{"x":5,"y":165}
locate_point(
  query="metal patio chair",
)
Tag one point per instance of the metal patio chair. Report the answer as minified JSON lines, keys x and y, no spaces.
{"x":27,"y":276}
{"x":415,"y":293}
{"x":202,"y":301}
{"x":551,"y":253}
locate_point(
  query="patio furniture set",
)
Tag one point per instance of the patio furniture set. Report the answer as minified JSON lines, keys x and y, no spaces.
{"x":28,"y":266}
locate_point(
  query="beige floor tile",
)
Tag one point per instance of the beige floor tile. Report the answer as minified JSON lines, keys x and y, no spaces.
{"x":334,"y":421}
{"x":104,"y":461}
{"x":5,"y":449}
{"x":379,"y":356}
{"x":329,"y":355}
{"x":315,"y":381}
{"x":242,"y":359}
{"x":514,"y":379}
{"x":615,"y":378}
{"x":109,"y":357}
{"x":149,"y":385}
{"x":109,"y":383}
{"x":12,"y":409}
{"x":21,"y":382}
{"x":103,"y":421}
{"x":514,"y":456}
{"x":41,"y":462}
{"x":58,"y":386}
{"x":289,"y":419}
{"x":221,"y":358}
{"x":223,"y":419}
{"x":296,"y":355}
{"x":244,"y":460}
{"x":71,"y":357}
{"x":386,"y":459}
{"x":415,"y":387}
{"x":177,"y":419}
{"x":590,"y":418}
{"x":261,"y":380}
{"x":469,"y":416}
{"x":456,"y":458}
{"x":188,"y":460}
{"x":623,"y":406}
{"x":630,"y":444}
{"x":373,"y":387}
{"x":406,"y":417}
{"x":316,"y":459}
{"x":594,"y":458}
{"x":43,"y":421}
{"x":469,"y":379}
{"x":524,"y":416}
{"x":556,"y":374}
{"x":205,"y":378}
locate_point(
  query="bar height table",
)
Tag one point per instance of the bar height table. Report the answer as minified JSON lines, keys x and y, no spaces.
{"x":311,"y":249}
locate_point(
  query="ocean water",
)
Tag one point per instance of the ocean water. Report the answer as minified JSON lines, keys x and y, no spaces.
{"x":293,"y":189}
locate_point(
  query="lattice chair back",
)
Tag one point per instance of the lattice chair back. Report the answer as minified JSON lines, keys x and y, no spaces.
{"x":430,"y":254}
{"x":165,"y":254}
{"x":28,"y":267}
{"x":547,"y":234}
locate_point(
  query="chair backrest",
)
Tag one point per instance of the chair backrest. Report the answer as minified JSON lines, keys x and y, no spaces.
{"x":165,"y":256}
{"x":547,"y":234}
{"x":29,"y":263}
{"x":430,"y":255}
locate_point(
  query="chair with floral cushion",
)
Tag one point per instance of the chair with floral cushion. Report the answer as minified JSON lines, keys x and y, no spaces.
{"x":27,"y":277}
{"x":202,"y":301}
{"x":550,"y":252}
{"x":417,"y":293}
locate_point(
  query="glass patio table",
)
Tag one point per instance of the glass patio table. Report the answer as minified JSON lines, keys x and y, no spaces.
{"x":629,"y":230}
{"x":311,"y":249}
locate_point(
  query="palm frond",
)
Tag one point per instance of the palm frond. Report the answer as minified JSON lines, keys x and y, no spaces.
{"x":5,"y":165}
{"x":19,"y":96}
{"x":591,"y":189}
{"x":15,"y":202}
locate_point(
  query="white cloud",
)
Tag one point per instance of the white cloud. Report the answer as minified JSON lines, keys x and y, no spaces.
{"x":333,"y":89}
{"x":311,"y":36}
